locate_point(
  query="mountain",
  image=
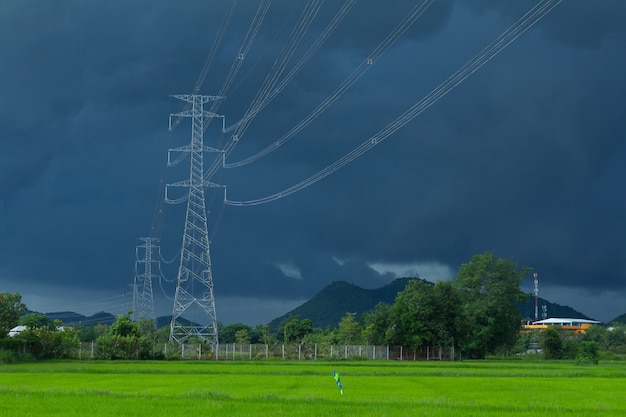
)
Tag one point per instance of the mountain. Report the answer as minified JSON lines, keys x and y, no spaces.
{"x":327,"y":308}
{"x":619,"y":319}
{"x":330,"y":305}
{"x":527,"y":310}
{"x":68,"y":317}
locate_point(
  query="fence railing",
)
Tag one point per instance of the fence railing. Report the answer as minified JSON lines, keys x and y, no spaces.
{"x":233,"y":351}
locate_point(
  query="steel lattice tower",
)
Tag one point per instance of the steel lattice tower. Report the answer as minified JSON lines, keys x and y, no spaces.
{"x":146,"y":300}
{"x":194,"y":285}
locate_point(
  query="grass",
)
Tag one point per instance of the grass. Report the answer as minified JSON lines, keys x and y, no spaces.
{"x":267,"y":388}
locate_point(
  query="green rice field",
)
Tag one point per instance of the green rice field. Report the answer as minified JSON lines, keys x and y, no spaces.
{"x":272,"y":388}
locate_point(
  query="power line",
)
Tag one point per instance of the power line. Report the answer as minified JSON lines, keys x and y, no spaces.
{"x":209,"y":59}
{"x":269,"y":86}
{"x":239,"y":126}
{"x":305,"y":58}
{"x":535,"y":14}
{"x":402,"y":27}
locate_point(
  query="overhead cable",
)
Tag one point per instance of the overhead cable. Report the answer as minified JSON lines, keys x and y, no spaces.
{"x":409,"y":19}
{"x":234,"y":139}
{"x":535,"y":14}
{"x":209,"y":59}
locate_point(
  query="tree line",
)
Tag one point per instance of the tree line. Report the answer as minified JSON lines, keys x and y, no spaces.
{"x":475,"y":313}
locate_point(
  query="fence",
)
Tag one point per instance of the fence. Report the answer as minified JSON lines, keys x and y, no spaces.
{"x":233,"y":351}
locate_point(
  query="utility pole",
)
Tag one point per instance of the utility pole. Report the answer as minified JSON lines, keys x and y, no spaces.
{"x":194,"y":285}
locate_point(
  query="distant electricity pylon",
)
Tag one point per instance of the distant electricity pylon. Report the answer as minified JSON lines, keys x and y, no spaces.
{"x":143,"y":303}
{"x":536,"y":279}
{"x":194,"y":284}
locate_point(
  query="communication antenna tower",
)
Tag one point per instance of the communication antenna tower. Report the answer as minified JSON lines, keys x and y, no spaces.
{"x":536,"y":277}
{"x":194,"y":284}
{"x":145,"y":301}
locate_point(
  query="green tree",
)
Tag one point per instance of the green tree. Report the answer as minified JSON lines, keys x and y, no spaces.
{"x":321,"y":337}
{"x":92,"y":332}
{"x":147,"y":328}
{"x":412,"y":315}
{"x":262,"y":334}
{"x":124,"y":340}
{"x":616,"y":337}
{"x":551,"y":344}
{"x":587,"y":353}
{"x":349,"y":330}
{"x":124,"y":326}
{"x":162,"y":334}
{"x":526,"y":341}
{"x":295,"y":329}
{"x":490,"y":291}
{"x":35,"y":320}
{"x":242,"y":337}
{"x":61,"y":343}
{"x":570,"y":343}
{"x":378,"y":326}
{"x":11,"y":309}
{"x":50,"y":341}
{"x":447,"y":321}
{"x":597,"y":334}
{"x":427,"y":315}
{"x":228,"y":334}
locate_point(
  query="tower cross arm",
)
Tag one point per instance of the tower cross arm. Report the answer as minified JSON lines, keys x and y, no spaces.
{"x":190,"y":97}
{"x":187,"y":183}
{"x":190,"y":113}
{"x":187,"y":148}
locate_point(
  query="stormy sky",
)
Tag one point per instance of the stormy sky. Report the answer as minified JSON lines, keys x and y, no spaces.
{"x":526,"y":157}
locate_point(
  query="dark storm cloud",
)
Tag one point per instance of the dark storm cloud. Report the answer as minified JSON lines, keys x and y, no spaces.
{"x":578,"y":24}
{"x":367,"y":26}
{"x":525,"y":158}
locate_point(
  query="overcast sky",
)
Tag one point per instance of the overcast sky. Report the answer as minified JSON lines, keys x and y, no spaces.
{"x":525,"y":158}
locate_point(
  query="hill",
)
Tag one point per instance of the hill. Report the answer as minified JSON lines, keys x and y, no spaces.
{"x":619,"y":319}
{"x":330,"y":305}
{"x":527,"y":310}
{"x":69,"y":317}
{"x":327,"y":307}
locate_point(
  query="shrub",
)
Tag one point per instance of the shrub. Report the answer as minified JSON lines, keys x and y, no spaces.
{"x":124,"y":341}
{"x":123,"y":347}
{"x":7,"y":356}
{"x":570,"y":349}
{"x":587,"y":354}
{"x":552,"y":344}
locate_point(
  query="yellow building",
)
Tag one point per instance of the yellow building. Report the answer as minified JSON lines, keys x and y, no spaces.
{"x":574,"y":325}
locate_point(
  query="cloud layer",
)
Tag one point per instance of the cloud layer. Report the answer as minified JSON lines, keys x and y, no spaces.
{"x":526,"y":158}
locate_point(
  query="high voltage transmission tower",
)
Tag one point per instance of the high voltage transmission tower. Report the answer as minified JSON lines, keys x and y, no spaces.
{"x":143,"y":303}
{"x":194,"y":285}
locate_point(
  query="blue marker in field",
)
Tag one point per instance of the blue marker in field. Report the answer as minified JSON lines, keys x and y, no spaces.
{"x":338,"y":382}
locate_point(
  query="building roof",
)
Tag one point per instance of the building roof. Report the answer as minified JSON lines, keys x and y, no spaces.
{"x":19,"y":329}
{"x":16,"y":330}
{"x":566,"y":321}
